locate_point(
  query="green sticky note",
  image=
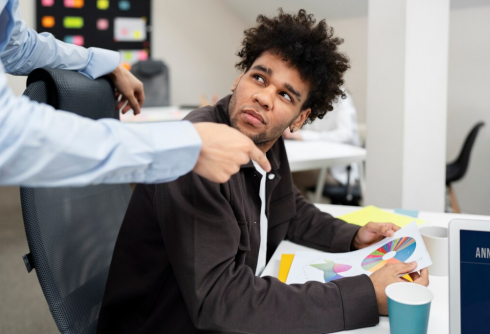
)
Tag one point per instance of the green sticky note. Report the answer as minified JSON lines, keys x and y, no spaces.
{"x":73,"y":22}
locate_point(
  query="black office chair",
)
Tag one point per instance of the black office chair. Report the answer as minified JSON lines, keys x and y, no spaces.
{"x":155,"y":76}
{"x":457,"y":169}
{"x":71,"y":232}
{"x":348,"y":194}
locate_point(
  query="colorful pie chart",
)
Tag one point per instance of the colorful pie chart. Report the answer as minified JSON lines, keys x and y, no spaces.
{"x":395,"y":251}
{"x":331,"y":269}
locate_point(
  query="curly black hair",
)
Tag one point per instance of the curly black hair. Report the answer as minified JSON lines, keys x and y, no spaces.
{"x":311,"y":49}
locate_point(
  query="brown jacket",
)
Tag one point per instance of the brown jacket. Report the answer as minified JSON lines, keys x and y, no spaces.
{"x":186,"y":255}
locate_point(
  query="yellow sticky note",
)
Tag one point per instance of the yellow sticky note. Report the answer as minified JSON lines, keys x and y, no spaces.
{"x":374,"y":214}
{"x":286,"y":261}
{"x":102,"y":4}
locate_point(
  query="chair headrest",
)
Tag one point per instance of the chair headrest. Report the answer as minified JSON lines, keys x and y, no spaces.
{"x":72,"y":91}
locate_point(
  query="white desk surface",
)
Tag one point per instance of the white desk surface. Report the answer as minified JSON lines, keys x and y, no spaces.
{"x":307,"y":155}
{"x":155,"y":114}
{"x":439,"y":313}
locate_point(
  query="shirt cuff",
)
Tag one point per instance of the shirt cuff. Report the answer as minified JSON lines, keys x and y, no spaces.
{"x":101,"y":62}
{"x":358,"y":302}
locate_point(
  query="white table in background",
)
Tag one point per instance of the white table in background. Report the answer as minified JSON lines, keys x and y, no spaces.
{"x":319,"y":154}
{"x":439,"y":313}
{"x":155,"y":114}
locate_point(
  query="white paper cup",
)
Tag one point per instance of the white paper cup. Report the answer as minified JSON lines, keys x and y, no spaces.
{"x":435,"y":239}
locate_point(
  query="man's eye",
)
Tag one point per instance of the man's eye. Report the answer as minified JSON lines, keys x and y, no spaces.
{"x":287,"y":97}
{"x":259,"y":78}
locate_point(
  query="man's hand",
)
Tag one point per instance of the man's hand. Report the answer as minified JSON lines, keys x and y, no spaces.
{"x":372,"y":233}
{"x":294,"y":135}
{"x":129,"y":88}
{"x":224,"y":150}
{"x":389,"y":274}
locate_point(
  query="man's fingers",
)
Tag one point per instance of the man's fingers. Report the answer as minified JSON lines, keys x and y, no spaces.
{"x":140,"y":96}
{"x":134,"y":104}
{"x":403,"y":268}
{"x":259,"y":157}
{"x":423,"y":279}
{"x":384,"y":229}
{"x":415,"y":275}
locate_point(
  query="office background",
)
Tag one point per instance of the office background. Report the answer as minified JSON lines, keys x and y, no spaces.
{"x":189,"y":35}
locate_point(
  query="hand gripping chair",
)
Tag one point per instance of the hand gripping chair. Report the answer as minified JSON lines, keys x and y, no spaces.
{"x":71,"y":232}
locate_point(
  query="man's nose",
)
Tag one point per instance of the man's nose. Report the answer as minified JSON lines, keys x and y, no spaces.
{"x":265,"y":98}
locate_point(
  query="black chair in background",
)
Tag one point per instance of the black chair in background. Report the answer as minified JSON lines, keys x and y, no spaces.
{"x":457,"y":169}
{"x":155,"y":76}
{"x":348,"y":194}
{"x":71,"y":232}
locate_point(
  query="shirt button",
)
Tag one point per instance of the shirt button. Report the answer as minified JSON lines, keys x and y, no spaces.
{"x":271,"y":176}
{"x":255,"y":223}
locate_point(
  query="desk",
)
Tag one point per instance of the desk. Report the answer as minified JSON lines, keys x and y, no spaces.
{"x":155,"y":114}
{"x":439,"y":313}
{"x":320,"y":154}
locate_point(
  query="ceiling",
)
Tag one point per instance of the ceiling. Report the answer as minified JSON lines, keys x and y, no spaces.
{"x":248,"y":10}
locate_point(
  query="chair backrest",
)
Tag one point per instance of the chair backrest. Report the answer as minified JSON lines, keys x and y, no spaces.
{"x":463,"y":159}
{"x":71,"y":232}
{"x":155,"y":76}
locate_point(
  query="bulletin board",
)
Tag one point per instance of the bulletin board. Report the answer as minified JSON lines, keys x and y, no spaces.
{"x":119,"y":25}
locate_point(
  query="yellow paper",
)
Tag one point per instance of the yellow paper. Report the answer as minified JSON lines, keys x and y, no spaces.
{"x":374,"y":214}
{"x":286,"y":261}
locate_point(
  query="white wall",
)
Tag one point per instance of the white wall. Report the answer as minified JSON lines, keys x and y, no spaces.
{"x":198,"y":40}
{"x":354,"y":32}
{"x":469,"y":102}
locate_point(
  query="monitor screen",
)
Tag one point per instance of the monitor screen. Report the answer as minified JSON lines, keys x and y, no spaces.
{"x":475,"y":281}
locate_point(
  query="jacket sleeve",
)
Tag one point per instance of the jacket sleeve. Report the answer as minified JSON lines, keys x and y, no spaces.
{"x":316,"y":229}
{"x":203,"y":239}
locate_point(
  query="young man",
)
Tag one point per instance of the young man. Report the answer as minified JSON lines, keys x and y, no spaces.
{"x":190,"y":252}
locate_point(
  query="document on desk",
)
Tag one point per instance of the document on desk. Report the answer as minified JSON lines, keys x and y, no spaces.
{"x":406,"y":245}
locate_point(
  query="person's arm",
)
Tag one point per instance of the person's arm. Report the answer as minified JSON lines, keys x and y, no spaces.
{"x":203,"y":239}
{"x":41,"y":147}
{"x":316,"y":229}
{"x":27,"y":50}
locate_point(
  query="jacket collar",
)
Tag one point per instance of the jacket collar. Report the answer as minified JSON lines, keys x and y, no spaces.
{"x":223,"y":117}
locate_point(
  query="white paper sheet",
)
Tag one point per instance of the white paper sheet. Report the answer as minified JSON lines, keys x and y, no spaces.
{"x":406,"y":245}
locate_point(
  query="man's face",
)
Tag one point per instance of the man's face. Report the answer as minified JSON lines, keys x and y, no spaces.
{"x":267,"y":99}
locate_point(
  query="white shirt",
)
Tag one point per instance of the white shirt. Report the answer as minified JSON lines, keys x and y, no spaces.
{"x":338,"y":126}
{"x":41,"y":147}
{"x":261,"y":262}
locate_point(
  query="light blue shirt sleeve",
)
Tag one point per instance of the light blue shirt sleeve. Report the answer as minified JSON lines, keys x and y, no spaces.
{"x":23,"y":49}
{"x":42,"y":147}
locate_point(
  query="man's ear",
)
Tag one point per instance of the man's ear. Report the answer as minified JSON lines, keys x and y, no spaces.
{"x":301,"y":119}
{"x":235,"y":84}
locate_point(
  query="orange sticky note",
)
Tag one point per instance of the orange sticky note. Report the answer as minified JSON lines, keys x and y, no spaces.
{"x":284,"y":266}
{"x":48,"y":21}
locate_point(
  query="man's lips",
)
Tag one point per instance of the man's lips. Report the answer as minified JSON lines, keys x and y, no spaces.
{"x":255,"y":114}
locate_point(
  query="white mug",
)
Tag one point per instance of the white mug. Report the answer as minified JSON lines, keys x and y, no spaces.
{"x":435,"y":239}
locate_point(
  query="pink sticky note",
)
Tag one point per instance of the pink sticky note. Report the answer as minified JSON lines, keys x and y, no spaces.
{"x":102,"y":24}
{"x":78,"y":40}
{"x":143,"y":55}
{"x":47,"y":3}
{"x":69,"y":3}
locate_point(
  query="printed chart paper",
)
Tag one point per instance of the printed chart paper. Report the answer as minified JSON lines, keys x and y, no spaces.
{"x":406,"y":245}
